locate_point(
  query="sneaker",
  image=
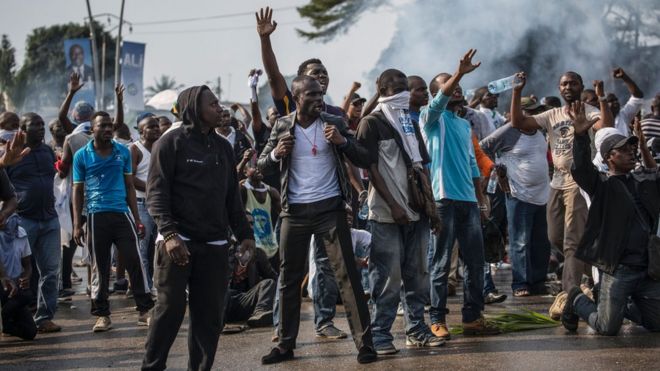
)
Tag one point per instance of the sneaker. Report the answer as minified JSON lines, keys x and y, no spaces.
{"x":424,"y":340}
{"x":568,"y":317}
{"x":366,"y":355}
{"x":48,"y":326}
{"x":262,"y":319}
{"x":387,"y":349}
{"x":120,"y":286}
{"x":276,"y":356}
{"x":480,"y":327}
{"x":331,"y":332}
{"x":144,"y":319}
{"x":493,"y":298}
{"x":558,"y":306}
{"x":103,"y":323}
{"x":440,"y":330}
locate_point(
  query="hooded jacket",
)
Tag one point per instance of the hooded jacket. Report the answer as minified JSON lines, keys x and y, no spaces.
{"x":192,"y":187}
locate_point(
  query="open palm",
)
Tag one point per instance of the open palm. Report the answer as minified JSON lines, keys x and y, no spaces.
{"x":265,"y":24}
{"x":466,"y":65}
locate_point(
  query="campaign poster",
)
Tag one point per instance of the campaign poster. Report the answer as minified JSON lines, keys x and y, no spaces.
{"x":78,"y":58}
{"x":132,"y":68}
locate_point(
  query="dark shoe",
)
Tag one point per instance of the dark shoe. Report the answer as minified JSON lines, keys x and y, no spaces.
{"x":120,"y":286}
{"x":367,"y":355}
{"x":48,"y":326}
{"x":480,"y":327}
{"x":262,"y":319}
{"x":386,"y":349}
{"x":276,"y":356}
{"x":65,"y":293}
{"x":568,"y":317}
{"x":493,"y":298}
{"x":331,"y":332}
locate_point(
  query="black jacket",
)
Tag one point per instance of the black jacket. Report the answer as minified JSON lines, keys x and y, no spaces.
{"x":192,"y":187}
{"x":612,"y":212}
{"x":356,"y":153}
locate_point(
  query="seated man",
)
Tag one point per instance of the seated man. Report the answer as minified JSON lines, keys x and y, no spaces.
{"x":623,"y":214}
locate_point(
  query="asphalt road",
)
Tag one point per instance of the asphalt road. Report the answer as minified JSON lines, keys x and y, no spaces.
{"x":76,"y":347}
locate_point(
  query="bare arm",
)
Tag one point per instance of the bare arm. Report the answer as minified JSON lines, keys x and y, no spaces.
{"x":256,"y":117}
{"x":606,"y":117}
{"x":347,"y":101}
{"x":518,"y":120}
{"x":136,"y":157}
{"x":634,"y":90}
{"x":265,"y":27}
{"x":247,"y":118}
{"x":78,"y":197}
{"x":66,"y":161}
{"x":119,"y":109}
{"x":275,"y":201}
{"x":74,"y":86}
{"x":647,"y":158}
{"x":354,"y":176}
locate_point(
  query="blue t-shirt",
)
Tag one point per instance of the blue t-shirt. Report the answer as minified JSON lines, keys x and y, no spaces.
{"x":449,"y":141}
{"x":105,"y":190}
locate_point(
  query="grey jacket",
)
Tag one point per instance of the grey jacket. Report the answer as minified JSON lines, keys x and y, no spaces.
{"x":353,"y":151}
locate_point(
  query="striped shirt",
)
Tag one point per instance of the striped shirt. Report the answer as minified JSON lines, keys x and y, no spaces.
{"x":651,"y":127}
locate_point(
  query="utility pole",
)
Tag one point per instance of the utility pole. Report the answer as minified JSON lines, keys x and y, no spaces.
{"x":118,"y":48}
{"x":95,"y":56}
{"x":219,"y":89}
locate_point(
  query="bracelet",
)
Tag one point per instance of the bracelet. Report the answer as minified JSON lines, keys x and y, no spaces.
{"x":170,"y":236}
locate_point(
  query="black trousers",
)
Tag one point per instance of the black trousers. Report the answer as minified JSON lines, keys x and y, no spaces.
{"x":258,"y":299}
{"x":103,"y":230}
{"x":326,"y":219}
{"x":16,"y":317}
{"x":206,"y":277}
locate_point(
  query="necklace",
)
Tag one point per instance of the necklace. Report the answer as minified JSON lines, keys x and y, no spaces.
{"x":302,"y":130}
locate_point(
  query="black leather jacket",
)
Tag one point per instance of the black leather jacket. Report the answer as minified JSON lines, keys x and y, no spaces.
{"x":355,"y":153}
{"x":612,"y":212}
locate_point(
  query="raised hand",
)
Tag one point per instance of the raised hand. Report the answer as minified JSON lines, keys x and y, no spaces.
{"x":598,"y":87}
{"x":265,"y":24}
{"x":119,"y":91}
{"x":519,"y":81}
{"x":618,"y":73}
{"x":15,"y":150}
{"x":577,"y":114}
{"x":74,"y":82}
{"x":465,"y":66}
{"x":356,"y":86}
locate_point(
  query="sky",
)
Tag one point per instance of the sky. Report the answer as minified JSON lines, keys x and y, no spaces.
{"x":228,"y":47}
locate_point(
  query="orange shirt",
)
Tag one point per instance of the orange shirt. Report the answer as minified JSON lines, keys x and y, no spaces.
{"x":483,"y":161}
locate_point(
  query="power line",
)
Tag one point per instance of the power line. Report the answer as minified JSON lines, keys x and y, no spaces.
{"x":181,"y":20}
{"x":210,"y":29}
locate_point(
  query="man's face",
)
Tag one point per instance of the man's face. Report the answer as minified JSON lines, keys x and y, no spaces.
{"x":570,"y":88}
{"x":57,"y":129}
{"x":102,"y":129}
{"x":272,"y":116}
{"x":419,"y":93}
{"x":35,"y":129}
{"x":590,"y":98}
{"x":310,"y":99}
{"x":622,"y":159}
{"x":149,"y":129}
{"x":164,"y":123}
{"x":211,"y":110}
{"x":77,"y":56}
{"x":318,"y":72}
{"x":355,"y":109}
{"x":489,"y":100}
{"x":614,"y":104}
{"x":225,"y":119}
{"x":254,"y":174}
{"x":396,"y":85}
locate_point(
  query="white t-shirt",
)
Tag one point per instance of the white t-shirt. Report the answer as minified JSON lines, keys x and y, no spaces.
{"x":312,"y":177}
{"x":495,"y":119}
{"x":626,"y":114}
{"x":527,"y":169}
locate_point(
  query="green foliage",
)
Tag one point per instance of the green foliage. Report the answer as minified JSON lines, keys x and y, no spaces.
{"x":332,"y":17}
{"x":513,"y":322}
{"x":7,"y":64}
{"x":164,"y":82}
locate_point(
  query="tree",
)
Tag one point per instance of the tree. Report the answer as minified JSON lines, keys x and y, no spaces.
{"x":161,"y":83}
{"x":41,"y":80}
{"x":7,"y":72}
{"x":332,"y":17}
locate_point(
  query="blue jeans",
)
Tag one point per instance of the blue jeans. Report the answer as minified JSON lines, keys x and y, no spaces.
{"x":325,"y":291}
{"x":146,"y":243}
{"x":44,"y":238}
{"x":529,"y":247}
{"x":398,"y":255}
{"x":613,"y":304}
{"x":489,"y":284}
{"x":461,"y":221}
{"x":363,"y":252}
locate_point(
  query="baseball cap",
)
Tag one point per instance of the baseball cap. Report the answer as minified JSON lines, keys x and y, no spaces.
{"x":141,"y":117}
{"x":83,"y":109}
{"x":615,"y":141}
{"x":355,"y":98}
{"x":529,"y":104}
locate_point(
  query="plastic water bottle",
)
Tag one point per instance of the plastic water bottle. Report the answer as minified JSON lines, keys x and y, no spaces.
{"x":492,"y":182}
{"x":364,"y":211}
{"x":498,"y":86}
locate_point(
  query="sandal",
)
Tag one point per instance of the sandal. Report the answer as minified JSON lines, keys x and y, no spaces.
{"x":519,"y":293}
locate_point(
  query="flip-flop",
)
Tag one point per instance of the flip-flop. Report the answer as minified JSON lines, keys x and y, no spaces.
{"x":519,"y":293}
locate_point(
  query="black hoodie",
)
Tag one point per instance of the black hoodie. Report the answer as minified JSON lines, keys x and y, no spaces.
{"x":192,"y":187}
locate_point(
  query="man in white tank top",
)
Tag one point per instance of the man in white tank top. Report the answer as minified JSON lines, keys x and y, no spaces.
{"x":141,"y":157}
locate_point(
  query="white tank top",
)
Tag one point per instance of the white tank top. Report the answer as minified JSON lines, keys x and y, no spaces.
{"x":143,"y":167}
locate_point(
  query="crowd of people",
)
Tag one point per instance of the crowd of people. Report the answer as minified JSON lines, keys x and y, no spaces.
{"x":379,"y":204}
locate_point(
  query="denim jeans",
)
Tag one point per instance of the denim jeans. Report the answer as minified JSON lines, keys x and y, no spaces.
{"x":613,"y":304}
{"x":461,"y":221}
{"x":44,"y":238}
{"x":397,"y":269}
{"x":147,"y":243}
{"x":529,"y":247}
{"x":489,"y":284}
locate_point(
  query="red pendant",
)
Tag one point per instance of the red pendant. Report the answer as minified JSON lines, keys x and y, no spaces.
{"x":314,"y":150}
